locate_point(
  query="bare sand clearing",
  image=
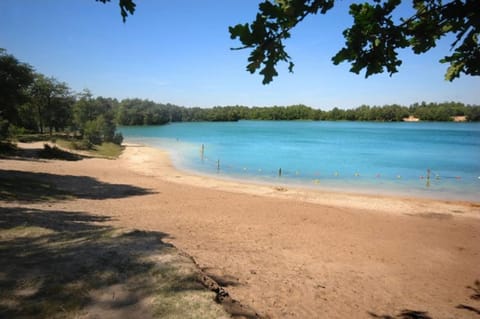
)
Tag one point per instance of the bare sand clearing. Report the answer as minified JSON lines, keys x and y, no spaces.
{"x":294,"y":253}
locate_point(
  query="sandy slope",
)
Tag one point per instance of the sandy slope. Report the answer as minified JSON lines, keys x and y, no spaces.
{"x":297,"y":253}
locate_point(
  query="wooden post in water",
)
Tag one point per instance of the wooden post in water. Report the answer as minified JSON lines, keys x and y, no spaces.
{"x":218,"y":166}
{"x":428,"y":178}
{"x":280,"y":172}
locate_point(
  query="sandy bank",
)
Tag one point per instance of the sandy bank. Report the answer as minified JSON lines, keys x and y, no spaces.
{"x":154,"y":162}
{"x":293,"y":253}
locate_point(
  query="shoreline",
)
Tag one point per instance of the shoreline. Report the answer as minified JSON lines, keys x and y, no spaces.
{"x":401,"y":171}
{"x":287,"y":253}
{"x":156,"y":162}
{"x":318,"y":187}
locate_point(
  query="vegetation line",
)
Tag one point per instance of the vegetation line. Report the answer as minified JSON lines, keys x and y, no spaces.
{"x":145,"y":112}
{"x":33,"y":103}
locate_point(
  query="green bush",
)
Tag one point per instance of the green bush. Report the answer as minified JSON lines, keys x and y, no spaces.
{"x":93,"y":131}
{"x":3,"y":129}
{"x":117,"y":138}
{"x":15,"y":130}
{"x":82,"y":145}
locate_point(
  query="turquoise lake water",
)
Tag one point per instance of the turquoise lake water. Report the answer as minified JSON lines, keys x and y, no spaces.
{"x":352,"y":156}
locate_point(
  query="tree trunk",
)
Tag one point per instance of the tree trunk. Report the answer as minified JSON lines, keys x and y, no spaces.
{"x":40,"y":122}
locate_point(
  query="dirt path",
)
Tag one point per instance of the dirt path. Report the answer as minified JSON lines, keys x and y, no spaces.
{"x":296,"y":253}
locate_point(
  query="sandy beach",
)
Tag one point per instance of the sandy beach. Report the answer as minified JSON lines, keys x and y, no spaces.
{"x":292,"y":252}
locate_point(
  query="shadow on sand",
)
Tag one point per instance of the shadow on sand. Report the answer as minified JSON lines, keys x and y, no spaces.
{"x":12,"y":152}
{"x":68,"y":264}
{"x":34,"y":187}
{"x":404,"y":314}
{"x":414,"y":314}
{"x":475,"y":288}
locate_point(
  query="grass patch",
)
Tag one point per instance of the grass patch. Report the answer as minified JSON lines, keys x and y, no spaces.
{"x":73,"y":144}
{"x":107,"y":150}
{"x":110,"y":150}
{"x":24,"y":231}
{"x":66,"y":265}
{"x":190,"y":305}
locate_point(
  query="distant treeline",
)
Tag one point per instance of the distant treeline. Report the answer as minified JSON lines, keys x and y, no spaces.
{"x":31,"y":102}
{"x":145,"y":112}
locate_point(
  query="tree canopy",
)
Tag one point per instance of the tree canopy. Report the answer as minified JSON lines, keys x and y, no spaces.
{"x":371,"y":43}
{"x":15,"y":78}
{"x":30,"y":102}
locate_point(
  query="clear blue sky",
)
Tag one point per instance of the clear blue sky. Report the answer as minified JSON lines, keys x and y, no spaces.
{"x":179,"y":52}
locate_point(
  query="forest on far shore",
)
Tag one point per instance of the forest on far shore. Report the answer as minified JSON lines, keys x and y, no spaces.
{"x":31,"y":102}
{"x":145,"y":112}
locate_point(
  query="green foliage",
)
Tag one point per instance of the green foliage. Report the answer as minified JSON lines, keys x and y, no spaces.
{"x":31,"y":102}
{"x":93,"y":130}
{"x":135,"y":113}
{"x":272,"y":25}
{"x":76,"y":145}
{"x":15,"y":78}
{"x":117,"y":139}
{"x":51,"y":102}
{"x":373,"y":41}
{"x":94,"y":119}
{"x":100,"y":130}
{"x":473,"y":113}
{"x":14,"y":130}
{"x":143,"y":112}
{"x":105,"y":149}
